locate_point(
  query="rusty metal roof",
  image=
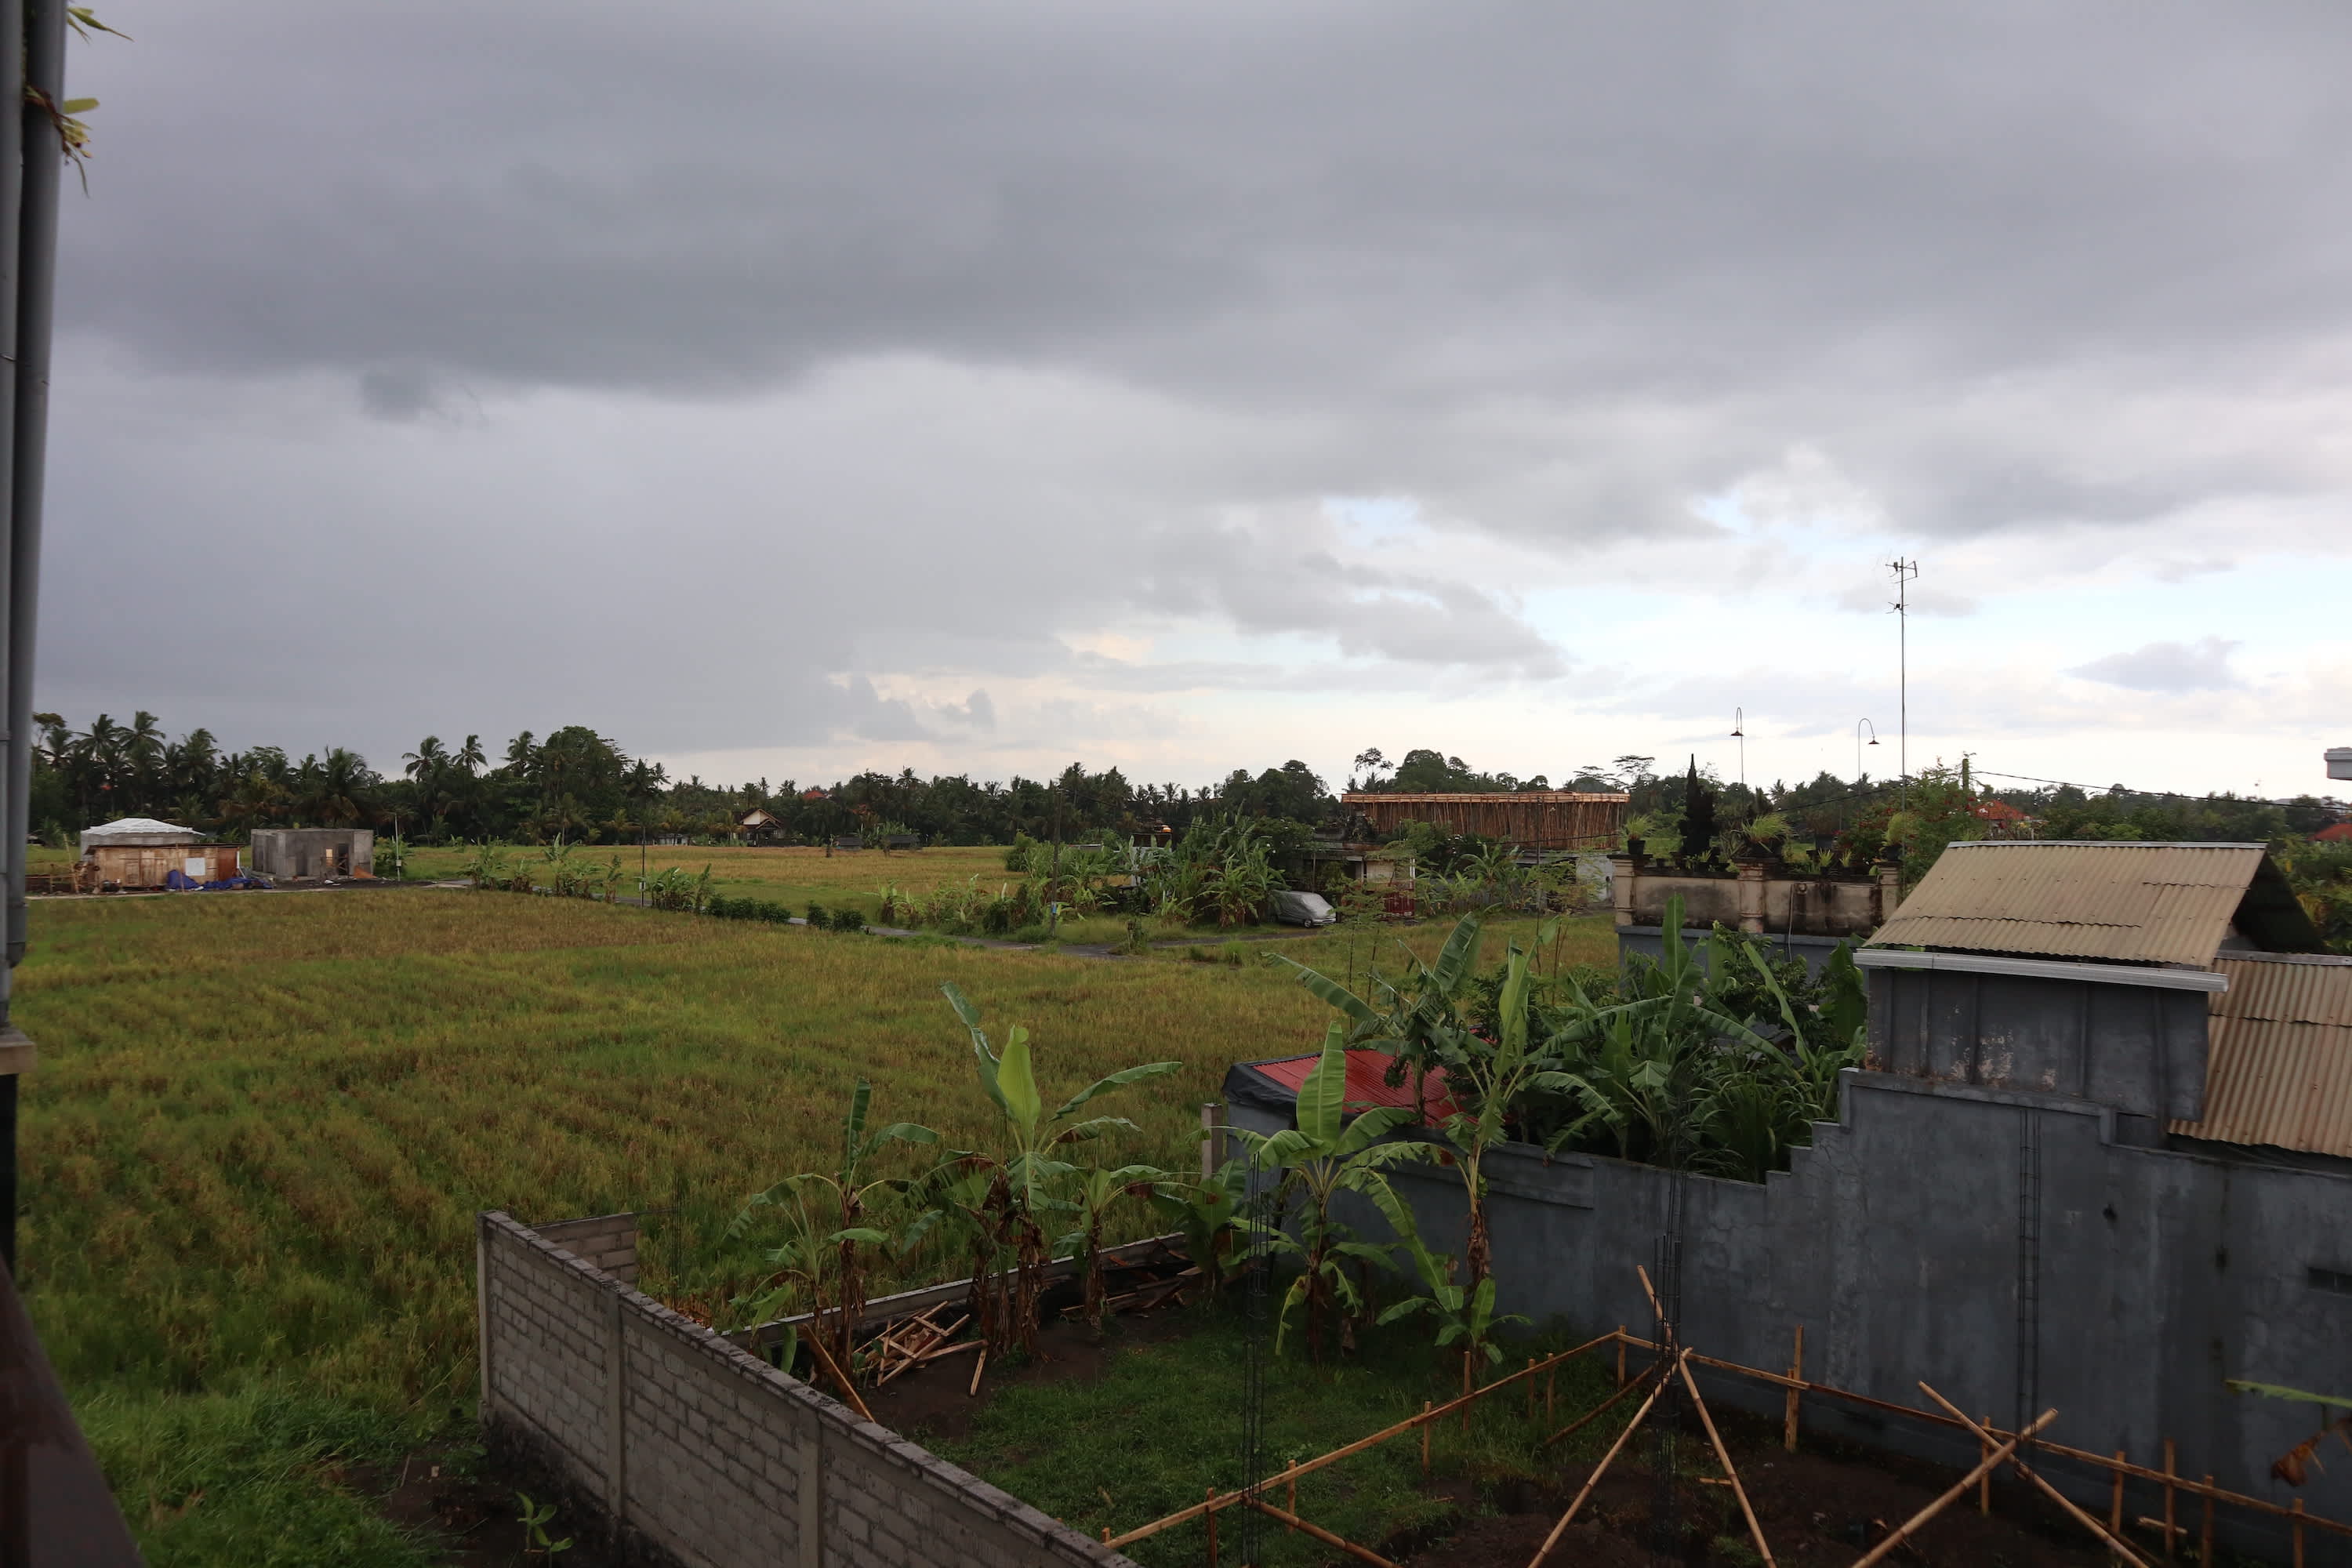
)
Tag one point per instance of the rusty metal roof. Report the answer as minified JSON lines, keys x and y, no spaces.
{"x":2280,"y":1068}
{"x":2116,"y":903}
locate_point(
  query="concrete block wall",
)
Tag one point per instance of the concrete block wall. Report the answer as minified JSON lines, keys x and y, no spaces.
{"x":700,"y":1454}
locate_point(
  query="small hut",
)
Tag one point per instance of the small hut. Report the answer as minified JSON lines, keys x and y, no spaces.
{"x":141,"y":852}
{"x":302,"y":853}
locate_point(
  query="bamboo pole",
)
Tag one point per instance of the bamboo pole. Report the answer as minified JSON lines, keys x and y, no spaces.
{"x":1621,"y":1355}
{"x":1424,"y":1440}
{"x":848,"y":1392}
{"x":2170,"y":1524}
{"x":2298,"y":1532}
{"x":1430,"y":1416}
{"x":2114,"y":1542}
{"x":977,"y":1368}
{"x":1337,"y":1542}
{"x":2205,"y":1532}
{"x":1531,"y":1390}
{"x":2205,"y":1489}
{"x":1597,"y":1411}
{"x":1984,"y":1486}
{"x":1796,"y":1374}
{"x":1730,"y":1474}
{"x":1290,"y":1496}
{"x":1551,"y":1387}
{"x":2115,"y":1502}
{"x":1904,"y":1531}
{"x":1592,"y":1481}
{"x":1210,"y":1515}
{"x":1464,"y":1401}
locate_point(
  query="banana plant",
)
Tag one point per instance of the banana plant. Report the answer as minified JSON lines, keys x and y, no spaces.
{"x":1011,"y":1192}
{"x":825,"y":1219}
{"x":1487,"y":1077}
{"x":1465,"y":1313}
{"x":1205,"y":1212}
{"x":1322,"y":1157}
{"x":1092,"y":1196}
{"x":1420,"y":1019}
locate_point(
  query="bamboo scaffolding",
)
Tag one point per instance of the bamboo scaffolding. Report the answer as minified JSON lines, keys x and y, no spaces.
{"x":1796,"y":1374}
{"x":1903,"y":1531}
{"x":1730,"y":1474}
{"x":1599,"y":1410}
{"x":1337,"y":1542}
{"x":1593,"y":1479}
{"x":1430,"y":1415}
{"x":2081,"y":1455}
{"x":1985,"y":1435}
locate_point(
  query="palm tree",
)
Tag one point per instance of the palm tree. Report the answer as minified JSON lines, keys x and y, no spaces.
{"x":142,"y":750}
{"x":425,"y":763}
{"x":470,"y":758}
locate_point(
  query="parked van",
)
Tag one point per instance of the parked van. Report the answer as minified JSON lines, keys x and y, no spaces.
{"x":1303,"y":909}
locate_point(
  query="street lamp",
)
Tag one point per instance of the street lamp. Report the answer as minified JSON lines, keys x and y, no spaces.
{"x":1859,"y":725}
{"x":1739,"y":733}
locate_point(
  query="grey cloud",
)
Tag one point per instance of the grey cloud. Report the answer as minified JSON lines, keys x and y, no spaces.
{"x":697,"y":375}
{"x":2200,"y":665}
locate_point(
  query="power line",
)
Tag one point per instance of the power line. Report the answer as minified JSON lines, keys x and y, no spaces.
{"x":2163,"y":794}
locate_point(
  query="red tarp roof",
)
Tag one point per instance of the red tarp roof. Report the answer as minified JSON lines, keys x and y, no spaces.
{"x":1367,"y":1081}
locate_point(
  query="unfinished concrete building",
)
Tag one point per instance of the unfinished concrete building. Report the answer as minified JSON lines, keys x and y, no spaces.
{"x":304,"y":854}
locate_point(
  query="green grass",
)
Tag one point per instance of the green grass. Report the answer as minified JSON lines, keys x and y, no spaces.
{"x":1078,"y":1449}
{"x":260,"y":1126}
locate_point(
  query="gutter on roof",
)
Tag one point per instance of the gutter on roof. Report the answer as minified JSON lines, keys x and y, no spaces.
{"x":2043,"y":969}
{"x":2100,"y":844}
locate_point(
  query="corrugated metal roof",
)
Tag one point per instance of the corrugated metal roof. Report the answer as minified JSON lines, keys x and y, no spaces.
{"x":1367,"y":1083}
{"x":2280,"y":1068}
{"x":2123,"y":903}
{"x":127,"y":825}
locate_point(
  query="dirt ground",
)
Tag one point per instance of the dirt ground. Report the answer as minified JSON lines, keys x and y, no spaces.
{"x":1818,"y":1507}
{"x":1815,"y":1507}
{"x":468,"y":1508}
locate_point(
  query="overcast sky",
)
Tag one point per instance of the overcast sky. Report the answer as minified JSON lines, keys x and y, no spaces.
{"x":790,"y":389}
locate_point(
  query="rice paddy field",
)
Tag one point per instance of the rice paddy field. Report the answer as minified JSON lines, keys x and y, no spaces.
{"x":793,"y":875}
{"x":261,"y":1124}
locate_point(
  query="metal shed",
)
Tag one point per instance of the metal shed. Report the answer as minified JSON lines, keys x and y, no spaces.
{"x":2109,"y":902}
{"x":2279,"y":1068}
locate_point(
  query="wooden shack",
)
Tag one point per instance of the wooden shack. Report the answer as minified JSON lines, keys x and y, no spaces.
{"x":1539,"y":819}
{"x":141,"y":852}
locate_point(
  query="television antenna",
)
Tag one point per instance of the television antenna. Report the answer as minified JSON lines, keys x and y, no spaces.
{"x":1905,"y":573}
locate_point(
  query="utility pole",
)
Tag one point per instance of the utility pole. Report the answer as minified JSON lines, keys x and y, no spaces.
{"x":1053,"y":887}
{"x":1905,"y":570}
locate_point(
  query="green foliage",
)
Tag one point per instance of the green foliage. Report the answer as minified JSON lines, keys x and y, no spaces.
{"x":826,"y":1220}
{"x":1002,"y":1200}
{"x":535,"y":1518}
{"x":1323,"y":1155}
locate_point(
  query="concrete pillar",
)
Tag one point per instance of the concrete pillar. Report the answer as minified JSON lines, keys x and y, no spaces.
{"x":1890,"y":893}
{"x":1622,"y":870}
{"x":1751,"y":896}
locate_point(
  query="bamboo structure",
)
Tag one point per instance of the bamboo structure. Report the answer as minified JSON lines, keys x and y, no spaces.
{"x":1594,"y":1479}
{"x":1730,"y":1474}
{"x":1904,"y":1531}
{"x":1985,"y":1435}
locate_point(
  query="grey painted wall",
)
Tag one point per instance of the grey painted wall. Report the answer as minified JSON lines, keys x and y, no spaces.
{"x":2138,"y":1048}
{"x":1893,"y":1240}
{"x":1650,"y":942}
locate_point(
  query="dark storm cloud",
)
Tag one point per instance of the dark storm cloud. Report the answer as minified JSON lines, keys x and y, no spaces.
{"x":1553,"y":272}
